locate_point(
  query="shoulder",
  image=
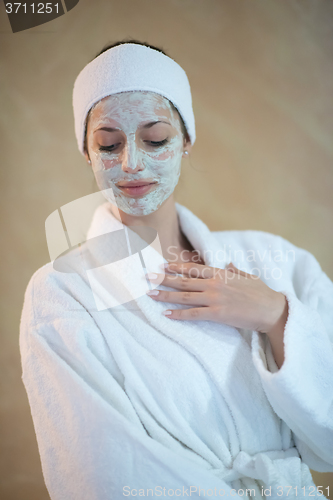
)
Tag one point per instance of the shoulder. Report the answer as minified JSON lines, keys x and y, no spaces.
{"x":57,"y":307}
{"x":255,"y":239}
{"x":254,"y":251}
{"x":247,"y":237}
{"x":51,"y":291}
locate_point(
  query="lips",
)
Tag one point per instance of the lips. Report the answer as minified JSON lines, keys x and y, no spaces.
{"x":137,"y":189}
{"x":136,"y":184}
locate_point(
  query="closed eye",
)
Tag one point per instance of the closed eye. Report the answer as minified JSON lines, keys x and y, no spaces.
{"x":108,"y":148}
{"x":152,"y":143}
{"x":158,"y":143}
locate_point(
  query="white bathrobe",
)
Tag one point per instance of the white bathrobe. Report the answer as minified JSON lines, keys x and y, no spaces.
{"x":128,"y":402}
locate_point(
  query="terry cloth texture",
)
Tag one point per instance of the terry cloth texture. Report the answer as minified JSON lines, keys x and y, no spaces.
{"x":125,"y":398}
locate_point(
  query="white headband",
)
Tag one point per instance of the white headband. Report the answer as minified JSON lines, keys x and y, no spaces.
{"x":129,"y":67}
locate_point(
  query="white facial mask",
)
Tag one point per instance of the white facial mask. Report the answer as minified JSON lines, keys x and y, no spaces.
{"x":161,"y":164}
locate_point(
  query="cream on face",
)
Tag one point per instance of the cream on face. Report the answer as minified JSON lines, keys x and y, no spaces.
{"x":132,"y":156}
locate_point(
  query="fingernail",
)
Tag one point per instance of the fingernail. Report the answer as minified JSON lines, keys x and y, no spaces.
{"x":167,"y":313}
{"x":152,"y":276}
{"x":153,"y":292}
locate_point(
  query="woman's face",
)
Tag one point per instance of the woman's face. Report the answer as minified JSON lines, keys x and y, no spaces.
{"x":136,"y":137}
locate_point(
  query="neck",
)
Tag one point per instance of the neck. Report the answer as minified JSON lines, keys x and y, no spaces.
{"x":165,"y":222}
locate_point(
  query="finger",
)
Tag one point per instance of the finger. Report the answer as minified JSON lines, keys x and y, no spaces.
{"x":231,"y":267}
{"x":181,"y":282}
{"x":191,"y":314}
{"x":189,"y":298}
{"x":194,"y":270}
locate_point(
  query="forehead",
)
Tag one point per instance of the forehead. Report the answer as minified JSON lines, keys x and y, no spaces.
{"x":136,"y":105}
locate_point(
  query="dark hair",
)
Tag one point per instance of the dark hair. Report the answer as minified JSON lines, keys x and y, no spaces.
{"x":121,"y":42}
{"x":128,"y":40}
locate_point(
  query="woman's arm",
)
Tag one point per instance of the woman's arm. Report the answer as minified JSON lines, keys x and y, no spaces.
{"x":301,"y":390}
{"x":276,"y":334}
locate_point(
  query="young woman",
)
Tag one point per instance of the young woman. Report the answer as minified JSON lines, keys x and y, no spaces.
{"x":230,"y":394}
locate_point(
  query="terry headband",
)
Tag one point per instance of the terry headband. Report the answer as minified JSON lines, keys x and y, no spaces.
{"x":129,"y":67}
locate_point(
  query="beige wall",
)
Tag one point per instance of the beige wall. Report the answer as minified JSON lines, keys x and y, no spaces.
{"x":261,"y":74}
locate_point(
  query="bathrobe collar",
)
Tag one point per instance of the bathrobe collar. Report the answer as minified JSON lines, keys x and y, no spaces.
{"x":196,"y":231}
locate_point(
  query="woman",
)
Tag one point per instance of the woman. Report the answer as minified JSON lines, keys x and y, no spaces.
{"x":231,"y":393}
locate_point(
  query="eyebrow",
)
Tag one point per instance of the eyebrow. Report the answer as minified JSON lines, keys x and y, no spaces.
{"x":148,"y":125}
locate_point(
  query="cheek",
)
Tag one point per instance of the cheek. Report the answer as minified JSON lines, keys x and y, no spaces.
{"x":162,"y":165}
{"x":109,"y":163}
{"x":170,"y":154}
{"x":106,"y":161}
{"x":162,"y":156}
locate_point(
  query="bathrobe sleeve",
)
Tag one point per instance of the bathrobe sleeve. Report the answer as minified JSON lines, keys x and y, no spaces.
{"x":301,"y":391}
{"x":91,"y":442}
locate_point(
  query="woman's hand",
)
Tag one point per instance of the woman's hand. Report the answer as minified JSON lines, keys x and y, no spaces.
{"x":227,"y":296}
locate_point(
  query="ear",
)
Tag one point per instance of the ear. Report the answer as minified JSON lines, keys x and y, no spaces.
{"x":87,"y":157}
{"x":187,"y":147}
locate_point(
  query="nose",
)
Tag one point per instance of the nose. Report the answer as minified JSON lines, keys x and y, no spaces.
{"x":130,"y":160}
